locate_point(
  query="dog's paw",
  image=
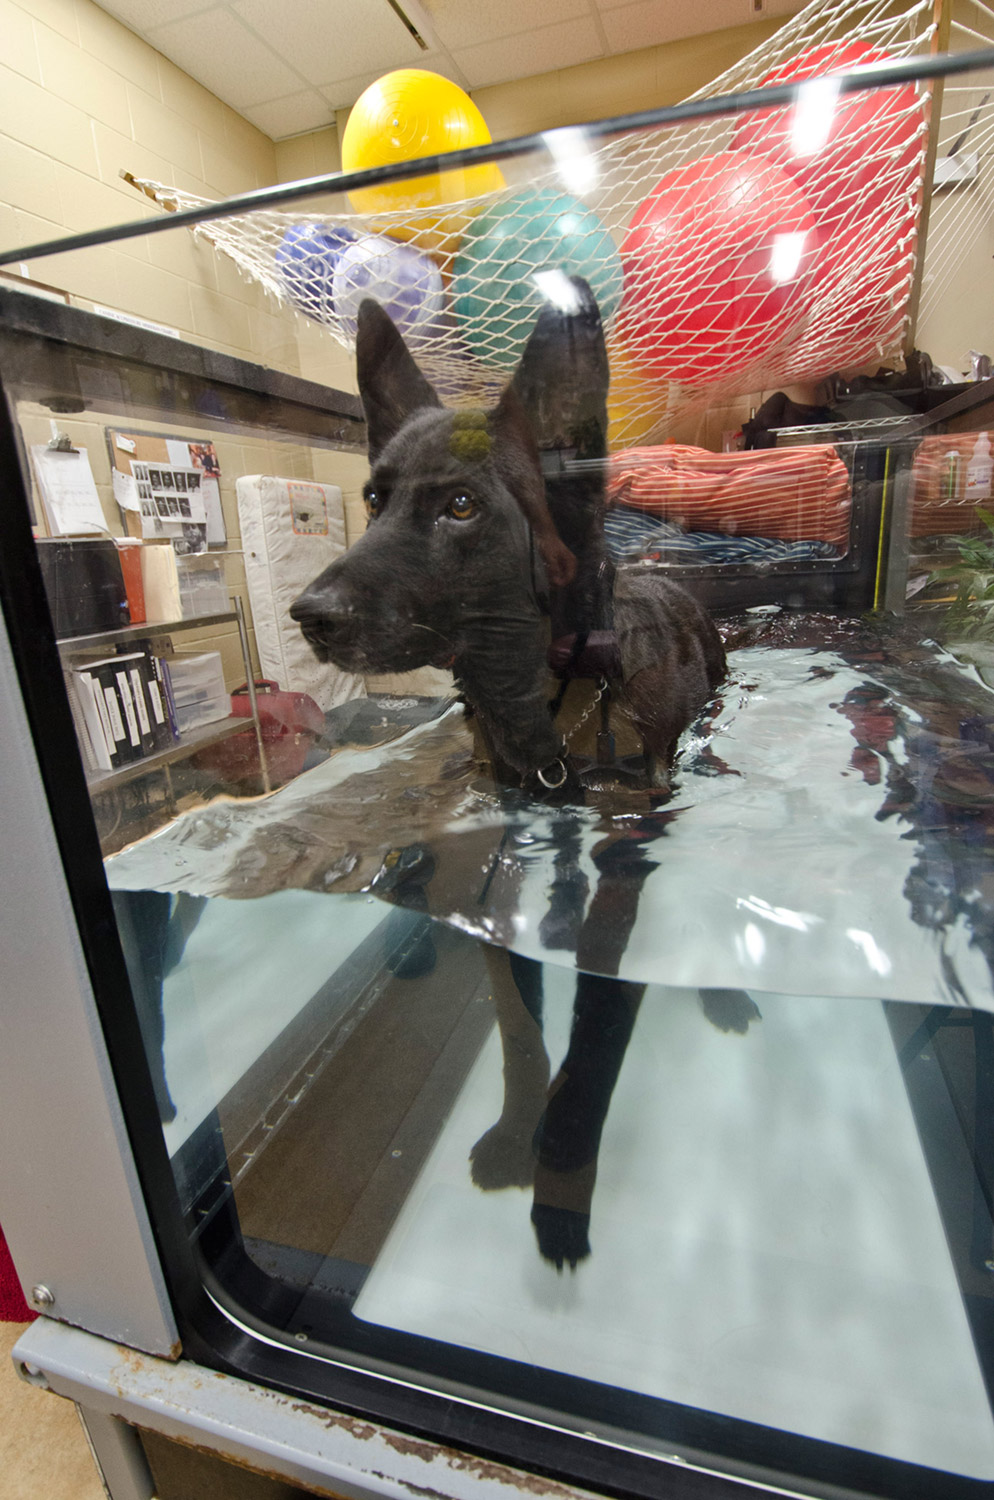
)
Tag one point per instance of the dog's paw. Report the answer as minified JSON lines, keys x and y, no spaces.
{"x":563,"y":1235}
{"x":163,"y":1098}
{"x":416,"y":960}
{"x":502,"y":1158}
{"x":729,"y":1010}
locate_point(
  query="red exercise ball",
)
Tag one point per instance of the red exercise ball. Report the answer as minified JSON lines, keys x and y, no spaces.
{"x":719,"y":260}
{"x":864,"y":161}
{"x":861,"y":311}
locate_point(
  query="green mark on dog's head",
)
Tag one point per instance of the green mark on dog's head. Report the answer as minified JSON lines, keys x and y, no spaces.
{"x":470,"y":441}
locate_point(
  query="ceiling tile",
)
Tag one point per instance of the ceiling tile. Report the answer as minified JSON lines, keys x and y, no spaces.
{"x":287,"y":67}
{"x":291,"y":116}
{"x":142,"y":15}
{"x":650,"y":22}
{"x":219,"y":52}
{"x":325,"y":39}
{"x":441,"y":62}
{"x":343,"y":92}
{"x":466,"y":23}
{"x":530,"y":52}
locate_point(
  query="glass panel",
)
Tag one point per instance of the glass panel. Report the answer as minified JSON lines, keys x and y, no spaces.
{"x":136,"y":507}
{"x":566,"y":976}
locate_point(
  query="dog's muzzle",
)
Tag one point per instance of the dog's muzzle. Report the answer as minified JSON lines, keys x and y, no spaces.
{"x":328,"y":620}
{"x":364,"y":632}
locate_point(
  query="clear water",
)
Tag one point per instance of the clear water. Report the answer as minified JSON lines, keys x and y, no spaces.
{"x":832,"y":816}
{"x":703,"y":1156}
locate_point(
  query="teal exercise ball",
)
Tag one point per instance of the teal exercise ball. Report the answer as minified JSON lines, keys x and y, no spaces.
{"x":516,"y":256}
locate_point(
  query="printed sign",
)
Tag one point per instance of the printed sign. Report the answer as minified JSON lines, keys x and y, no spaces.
{"x":308,"y":510}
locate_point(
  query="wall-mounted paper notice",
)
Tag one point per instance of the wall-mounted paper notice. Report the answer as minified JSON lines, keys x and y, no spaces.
{"x":125,"y":490}
{"x":211,"y":491}
{"x":72,"y":505}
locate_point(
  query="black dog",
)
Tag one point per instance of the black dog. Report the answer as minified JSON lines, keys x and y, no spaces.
{"x":467,"y":553}
{"x":484,"y":528}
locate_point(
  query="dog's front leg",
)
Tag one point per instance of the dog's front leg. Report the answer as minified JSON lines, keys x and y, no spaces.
{"x":604,"y":1012}
{"x":561,"y":925}
{"x":569,"y":1136}
{"x":504,"y":1156}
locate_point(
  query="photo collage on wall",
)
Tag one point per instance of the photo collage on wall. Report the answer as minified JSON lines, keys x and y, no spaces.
{"x":171,"y":485}
{"x":172,"y":505}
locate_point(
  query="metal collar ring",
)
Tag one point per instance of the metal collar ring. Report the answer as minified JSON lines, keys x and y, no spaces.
{"x":544,"y":777}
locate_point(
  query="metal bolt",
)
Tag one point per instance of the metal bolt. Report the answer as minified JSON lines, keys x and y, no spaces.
{"x":989,"y":1264}
{"x":301,"y":1338}
{"x":42,"y":1297}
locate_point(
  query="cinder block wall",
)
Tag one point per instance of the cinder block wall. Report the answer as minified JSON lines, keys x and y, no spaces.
{"x":81,"y":98}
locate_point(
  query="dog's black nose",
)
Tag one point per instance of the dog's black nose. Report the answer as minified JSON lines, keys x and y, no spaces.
{"x":306,"y":609}
{"x":329,"y":613}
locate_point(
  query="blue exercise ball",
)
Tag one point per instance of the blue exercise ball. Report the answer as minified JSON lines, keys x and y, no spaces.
{"x":306,"y":260}
{"x":516,"y":256}
{"x":404,"y":281}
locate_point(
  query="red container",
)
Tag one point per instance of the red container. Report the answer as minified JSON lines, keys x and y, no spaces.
{"x":129,"y":550}
{"x":290,"y":723}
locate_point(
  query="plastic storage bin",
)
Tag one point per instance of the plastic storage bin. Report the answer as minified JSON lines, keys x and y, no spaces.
{"x":199,"y":693}
{"x":202,"y":589}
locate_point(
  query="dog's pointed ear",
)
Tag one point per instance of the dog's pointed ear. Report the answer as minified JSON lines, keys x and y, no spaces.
{"x":562,"y":378}
{"x":517,"y":459}
{"x":390,"y":384}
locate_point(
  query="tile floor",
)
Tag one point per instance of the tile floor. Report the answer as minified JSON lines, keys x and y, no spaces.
{"x":43,"y":1452}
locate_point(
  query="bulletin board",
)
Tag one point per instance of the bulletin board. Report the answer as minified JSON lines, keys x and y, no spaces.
{"x":168,"y":488}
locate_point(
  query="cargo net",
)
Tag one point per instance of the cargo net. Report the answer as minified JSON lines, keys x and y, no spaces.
{"x":727,"y":256}
{"x":957,"y":255}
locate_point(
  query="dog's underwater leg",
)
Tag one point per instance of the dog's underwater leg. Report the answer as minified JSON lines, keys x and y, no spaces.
{"x":561,"y":924}
{"x":604,"y":1013}
{"x":569,"y":1136}
{"x":504,"y":1156}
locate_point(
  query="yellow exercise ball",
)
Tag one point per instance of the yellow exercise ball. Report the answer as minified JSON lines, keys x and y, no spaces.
{"x":635,"y":404}
{"x":405,"y":115}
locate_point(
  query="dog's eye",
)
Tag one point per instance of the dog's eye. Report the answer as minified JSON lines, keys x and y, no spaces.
{"x":461,"y":507}
{"x":373,"y":503}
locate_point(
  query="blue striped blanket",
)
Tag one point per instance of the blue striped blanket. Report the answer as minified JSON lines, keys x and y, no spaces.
{"x":631,"y":532}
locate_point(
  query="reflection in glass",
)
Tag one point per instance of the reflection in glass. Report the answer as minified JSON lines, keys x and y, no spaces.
{"x":813,"y":115}
{"x":603,"y":995}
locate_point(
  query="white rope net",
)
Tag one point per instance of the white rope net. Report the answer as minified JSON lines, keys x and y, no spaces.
{"x":962,"y":208}
{"x":728,"y":256}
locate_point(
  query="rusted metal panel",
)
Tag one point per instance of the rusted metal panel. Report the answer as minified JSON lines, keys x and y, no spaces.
{"x":331,"y":1453}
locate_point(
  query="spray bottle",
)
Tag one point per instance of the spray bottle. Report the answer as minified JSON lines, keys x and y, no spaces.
{"x":979,"y":471}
